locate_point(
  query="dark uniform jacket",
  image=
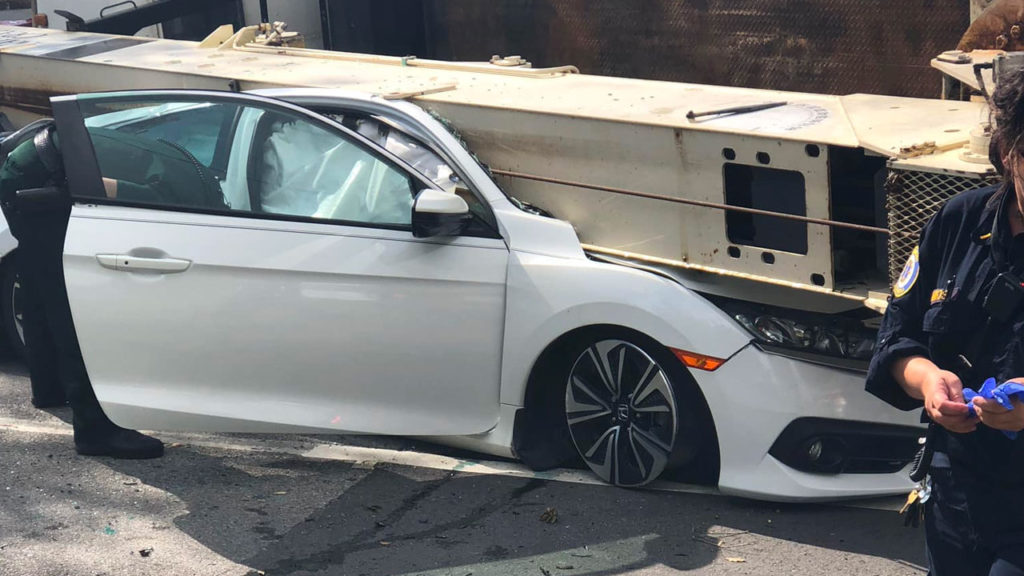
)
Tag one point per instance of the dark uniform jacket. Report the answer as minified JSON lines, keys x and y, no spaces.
{"x":937,"y":311}
{"x":22,"y":169}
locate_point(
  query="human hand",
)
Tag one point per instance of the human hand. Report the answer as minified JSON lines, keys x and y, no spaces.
{"x":994,"y":415}
{"x":944,"y":402}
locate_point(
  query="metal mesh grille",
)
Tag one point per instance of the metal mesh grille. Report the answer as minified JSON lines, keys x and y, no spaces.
{"x":912,"y":198}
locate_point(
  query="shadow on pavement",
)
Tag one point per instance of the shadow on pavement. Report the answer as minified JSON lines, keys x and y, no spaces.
{"x":290,"y":516}
{"x":397,"y":520}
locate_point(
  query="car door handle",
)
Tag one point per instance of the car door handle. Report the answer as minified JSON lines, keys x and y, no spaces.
{"x":129,"y":263}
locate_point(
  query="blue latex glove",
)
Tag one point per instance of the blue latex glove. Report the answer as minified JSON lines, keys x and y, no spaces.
{"x":1003,"y":394}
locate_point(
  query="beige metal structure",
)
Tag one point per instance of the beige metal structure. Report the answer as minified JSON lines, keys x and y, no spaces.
{"x":609,"y":137}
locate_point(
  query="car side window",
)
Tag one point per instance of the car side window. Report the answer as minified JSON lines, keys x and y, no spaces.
{"x":414,"y":152}
{"x":302,"y":169}
{"x":196,"y":127}
{"x":244,"y":159}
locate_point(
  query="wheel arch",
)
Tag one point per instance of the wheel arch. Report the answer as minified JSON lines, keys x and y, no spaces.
{"x":540,"y":446}
{"x":552,"y":302}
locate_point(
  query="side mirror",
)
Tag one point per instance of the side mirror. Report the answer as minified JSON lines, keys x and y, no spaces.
{"x":436,"y":213}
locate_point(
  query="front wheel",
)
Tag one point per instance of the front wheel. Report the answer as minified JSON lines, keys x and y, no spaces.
{"x":623,"y":412}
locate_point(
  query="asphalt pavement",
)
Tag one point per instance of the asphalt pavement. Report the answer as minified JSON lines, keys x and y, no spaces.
{"x":333,"y":505}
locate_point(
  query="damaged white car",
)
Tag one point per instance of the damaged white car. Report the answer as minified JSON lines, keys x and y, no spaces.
{"x":347,"y":265}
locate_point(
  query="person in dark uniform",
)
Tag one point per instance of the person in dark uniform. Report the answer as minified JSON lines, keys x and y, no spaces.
{"x":956,"y":318}
{"x":35,"y":202}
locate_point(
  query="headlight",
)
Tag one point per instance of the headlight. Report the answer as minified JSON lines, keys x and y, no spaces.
{"x":809,"y":335}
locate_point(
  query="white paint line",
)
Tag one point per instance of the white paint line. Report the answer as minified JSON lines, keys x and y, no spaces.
{"x":368,"y":457}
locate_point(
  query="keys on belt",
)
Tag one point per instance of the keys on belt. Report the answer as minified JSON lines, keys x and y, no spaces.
{"x":913,"y":510}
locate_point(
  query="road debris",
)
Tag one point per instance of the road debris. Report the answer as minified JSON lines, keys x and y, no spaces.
{"x":719,"y":537}
{"x":550,"y":515}
{"x":145,"y":552}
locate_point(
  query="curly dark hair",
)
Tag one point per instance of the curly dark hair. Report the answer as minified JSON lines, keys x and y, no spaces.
{"x":1008,"y":115}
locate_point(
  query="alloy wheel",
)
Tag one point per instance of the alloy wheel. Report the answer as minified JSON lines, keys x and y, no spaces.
{"x":621,"y":412}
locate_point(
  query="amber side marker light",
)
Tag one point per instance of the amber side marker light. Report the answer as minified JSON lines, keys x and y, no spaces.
{"x":698,"y":361}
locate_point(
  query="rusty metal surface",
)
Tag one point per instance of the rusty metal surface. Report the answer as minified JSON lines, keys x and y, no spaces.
{"x":825,"y":46}
{"x":998,"y":27}
{"x":36,"y":101}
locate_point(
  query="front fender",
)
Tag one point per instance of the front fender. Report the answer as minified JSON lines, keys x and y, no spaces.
{"x":549,"y":296}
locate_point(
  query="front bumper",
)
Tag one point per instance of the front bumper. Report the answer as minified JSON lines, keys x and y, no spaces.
{"x":754,"y":397}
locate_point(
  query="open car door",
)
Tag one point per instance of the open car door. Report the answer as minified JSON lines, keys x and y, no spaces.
{"x":237,"y":263}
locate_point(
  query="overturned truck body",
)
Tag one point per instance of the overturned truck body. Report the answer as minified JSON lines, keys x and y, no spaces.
{"x":806,"y":201}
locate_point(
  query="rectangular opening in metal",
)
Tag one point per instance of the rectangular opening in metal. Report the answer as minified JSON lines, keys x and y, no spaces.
{"x":770,"y":189}
{"x":857,"y":195}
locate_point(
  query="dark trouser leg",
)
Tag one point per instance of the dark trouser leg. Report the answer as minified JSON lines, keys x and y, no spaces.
{"x":40,"y":349}
{"x":953,"y":544}
{"x":42,"y":245}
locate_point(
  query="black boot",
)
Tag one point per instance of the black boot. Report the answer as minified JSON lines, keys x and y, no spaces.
{"x":96,"y":435}
{"x":118,"y":443}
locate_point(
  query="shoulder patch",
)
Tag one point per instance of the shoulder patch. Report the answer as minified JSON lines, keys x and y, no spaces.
{"x":908,"y":277}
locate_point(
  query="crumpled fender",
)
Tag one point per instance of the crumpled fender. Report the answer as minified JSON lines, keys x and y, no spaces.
{"x":549,"y":296}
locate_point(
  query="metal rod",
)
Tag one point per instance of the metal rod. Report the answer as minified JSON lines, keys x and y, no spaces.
{"x":701,"y":203}
{"x":735,"y":110}
{"x":264,"y":12}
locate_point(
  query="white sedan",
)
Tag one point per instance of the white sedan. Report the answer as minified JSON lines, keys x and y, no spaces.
{"x":307,"y":260}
